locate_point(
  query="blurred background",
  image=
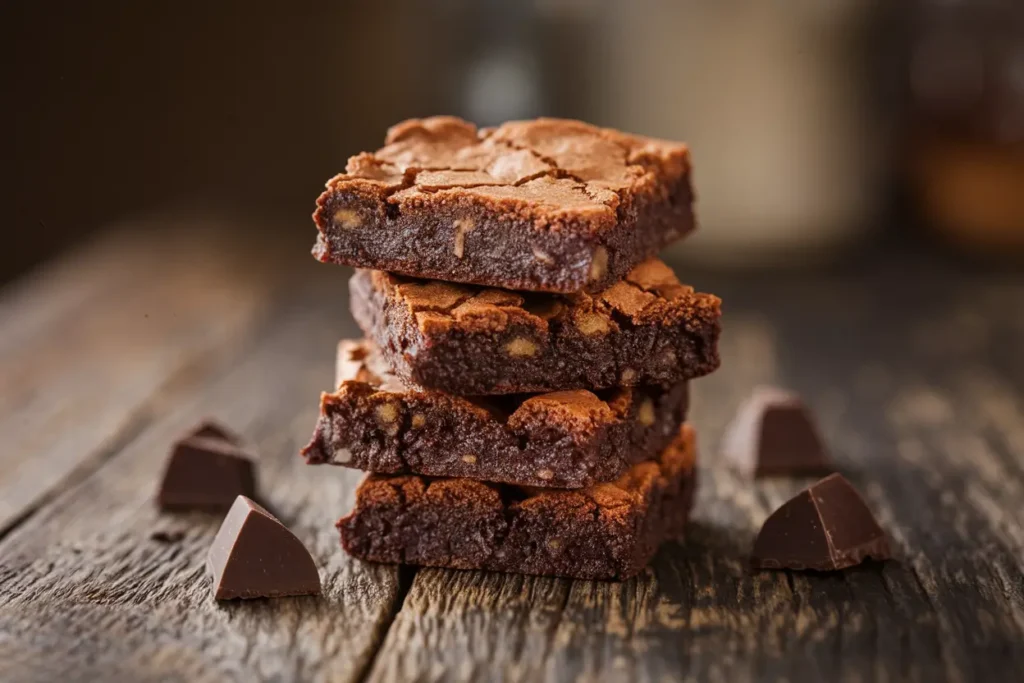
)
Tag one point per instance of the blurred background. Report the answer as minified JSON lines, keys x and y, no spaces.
{"x":823,"y":132}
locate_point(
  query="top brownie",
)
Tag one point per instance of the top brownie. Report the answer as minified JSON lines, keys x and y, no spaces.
{"x":544,"y":205}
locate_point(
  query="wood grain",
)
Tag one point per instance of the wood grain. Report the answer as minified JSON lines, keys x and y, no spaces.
{"x":91,"y":342}
{"x":89,"y":594}
{"x":925,"y":415}
{"x":915,"y":373}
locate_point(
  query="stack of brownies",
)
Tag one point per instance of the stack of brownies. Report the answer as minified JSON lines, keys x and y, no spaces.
{"x":521,"y":392}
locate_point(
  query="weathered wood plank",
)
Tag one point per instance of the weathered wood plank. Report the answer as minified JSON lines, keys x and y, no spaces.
{"x":161,"y":339}
{"x":916,"y":377}
{"x":91,"y":342}
{"x":89,"y":594}
{"x":921,"y":398}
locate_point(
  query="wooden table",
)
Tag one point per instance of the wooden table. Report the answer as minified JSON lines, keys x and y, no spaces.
{"x":915,"y":369}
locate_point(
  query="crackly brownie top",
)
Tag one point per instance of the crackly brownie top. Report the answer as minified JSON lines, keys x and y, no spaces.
{"x":361,"y":364}
{"x":649,"y":294}
{"x":613,"y":502}
{"x":543,"y":165}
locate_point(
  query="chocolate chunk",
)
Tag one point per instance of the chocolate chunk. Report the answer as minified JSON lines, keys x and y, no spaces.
{"x":206,"y":471}
{"x":167,"y":536}
{"x":209,"y":429}
{"x":562,"y":439}
{"x":545,"y":205}
{"x":471,"y":341}
{"x":607,"y":531}
{"x":825,"y":527}
{"x":773,"y":435}
{"x":255,"y":556}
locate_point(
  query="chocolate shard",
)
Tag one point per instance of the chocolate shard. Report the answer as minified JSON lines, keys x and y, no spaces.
{"x":773,"y":434}
{"x":209,"y":429}
{"x":163,"y":536}
{"x":255,"y":556}
{"x":825,"y":527}
{"x":207,"y":470}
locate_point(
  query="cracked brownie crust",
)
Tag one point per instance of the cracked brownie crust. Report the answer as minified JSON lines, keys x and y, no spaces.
{"x":543,"y":205}
{"x":565,"y":439}
{"x":466,"y":340}
{"x":608,"y":531}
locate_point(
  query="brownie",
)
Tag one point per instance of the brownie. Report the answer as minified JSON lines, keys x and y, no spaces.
{"x":564,"y":439}
{"x":607,"y":531}
{"x":645,"y":329}
{"x":544,"y":205}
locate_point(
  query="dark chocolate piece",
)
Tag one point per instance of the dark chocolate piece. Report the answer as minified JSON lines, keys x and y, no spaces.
{"x":608,"y":531}
{"x":255,"y":556}
{"x":773,"y":434}
{"x":206,"y":472}
{"x":825,"y":527}
{"x":208,"y":429}
{"x":466,"y":340}
{"x":564,"y":439}
{"x":163,"y":536}
{"x":546,"y":205}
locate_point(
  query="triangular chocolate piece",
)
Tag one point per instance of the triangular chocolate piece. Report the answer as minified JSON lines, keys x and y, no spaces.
{"x":205,"y":473}
{"x":208,"y":429}
{"x":825,"y":527}
{"x":773,"y":434}
{"x":255,"y":556}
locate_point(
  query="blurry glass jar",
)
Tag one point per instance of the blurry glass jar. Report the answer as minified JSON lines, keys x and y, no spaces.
{"x":966,"y":76}
{"x":770,"y":98}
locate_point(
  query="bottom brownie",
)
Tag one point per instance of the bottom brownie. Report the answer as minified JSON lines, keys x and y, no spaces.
{"x":607,"y":531}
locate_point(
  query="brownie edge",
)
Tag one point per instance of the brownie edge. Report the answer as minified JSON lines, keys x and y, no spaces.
{"x":608,"y":531}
